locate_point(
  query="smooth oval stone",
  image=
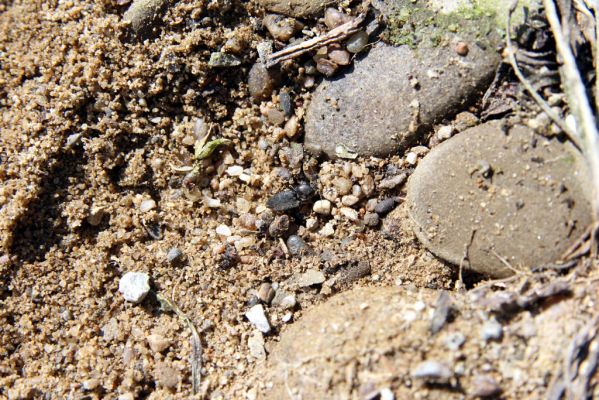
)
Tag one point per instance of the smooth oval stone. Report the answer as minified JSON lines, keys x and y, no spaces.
{"x":347,"y":346}
{"x":516,"y":196}
{"x":393,"y":94}
{"x":296,"y":8}
{"x":144,"y":15}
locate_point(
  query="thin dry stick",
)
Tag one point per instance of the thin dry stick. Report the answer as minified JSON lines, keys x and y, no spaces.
{"x":335,"y":35}
{"x":528,"y":86}
{"x":581,"y":108}
{"x":196,"y":345}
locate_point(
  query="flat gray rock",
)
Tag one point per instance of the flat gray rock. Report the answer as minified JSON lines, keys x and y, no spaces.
{"x":295,"y":8}
{"x":395,"y":93}
{"x":517,"y":196}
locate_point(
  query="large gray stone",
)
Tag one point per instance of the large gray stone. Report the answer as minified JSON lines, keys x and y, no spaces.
{"x":516,"y":196}
{"x":395,"y":93}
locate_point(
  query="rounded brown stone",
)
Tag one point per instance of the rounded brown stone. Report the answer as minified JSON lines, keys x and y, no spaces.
{"x":493,"y":195}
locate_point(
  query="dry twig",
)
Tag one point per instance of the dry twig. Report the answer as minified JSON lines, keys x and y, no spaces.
{"x":196,"y":345}
{"x":586,"y":123}
{"x":335,"y":35}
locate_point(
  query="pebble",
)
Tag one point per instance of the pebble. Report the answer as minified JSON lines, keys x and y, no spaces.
{"x":295,"y":8}
{"x":296,"y":245}
{"x":432,"y":371}
{"x":349,"y":213}
{"x":326,"y":67}
{"x":266,"y":293}
{"x":350,"y":200}
{"x":322,"y":207}
{"x":484,"y":386}
{"x":134,"y":286}
{"x":385,"y":206}
{"x":328,"y":230}
{"x":257,"y":317}
{"x":333,"y":18}
{"x":262,"y":81}
{"x":96,"y":215}
{"x":158,"y":343}
{"x":218,"y":59}
{"x":223,"y":230}
{"x":310,"y":277}
{"x":235,"y":170}
{"x":281,"y":28}
{"x":343,"y":186}
{"x":386,"y":394}
{"x":444,"y":132}
{"x":371,"y":219}
{"x":393,"y":182}
{"x":411,"y":158}
{"x":283,"y":201}
{"x":291,"y":127}
{"x":524,"y":214}
{"x":256,"y":345}
{"x":144,"y":16}
{"x":491,"y":330}
{"x":286,"y":103}
{"x":453,"y":341}
{"x":357,"y":42}
{"x":339,"y":57}
{"x":147,"y":205}
{"x":173,"y":255}
{"x":462,"y":49}
{"x":284,"y":300}
{"x":362,"y":122}
{"x":279,"y":226}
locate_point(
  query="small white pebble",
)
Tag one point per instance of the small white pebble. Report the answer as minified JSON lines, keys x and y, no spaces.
{"x":445,"y":132}
{"x":235,"y":170}
{"x":411,"y":158}
{"x":258,"y":318}
{"x":223,"y":230}
{"x":349,"y":213}
{"x":386,"y":394}
{"x":147,"y":205}
{"x":287,"y":317}
{"x":134,"y":286}
{"x":327,"y":230}
{"x":212,"y":203}
{"x":349,"y":200}
{"x":322,"y":207}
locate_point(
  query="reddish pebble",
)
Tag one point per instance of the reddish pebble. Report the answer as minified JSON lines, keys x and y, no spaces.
{"x":462,"y":49}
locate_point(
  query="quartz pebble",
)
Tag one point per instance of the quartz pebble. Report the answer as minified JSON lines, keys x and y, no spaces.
{"x":432,"y":371}
{"x":393,"y":182}
{"x":322,"y":207}
{"x":491,"y":330}
{"x":134,"y":286}
{"x":411,"y":158}
{"x":147,"y":205}
{"x":257,"y":317}
{"x":223,"y":230}
{"x":339,"y":57}
{"x":349,"y":213}
{"x":484,"y":386}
